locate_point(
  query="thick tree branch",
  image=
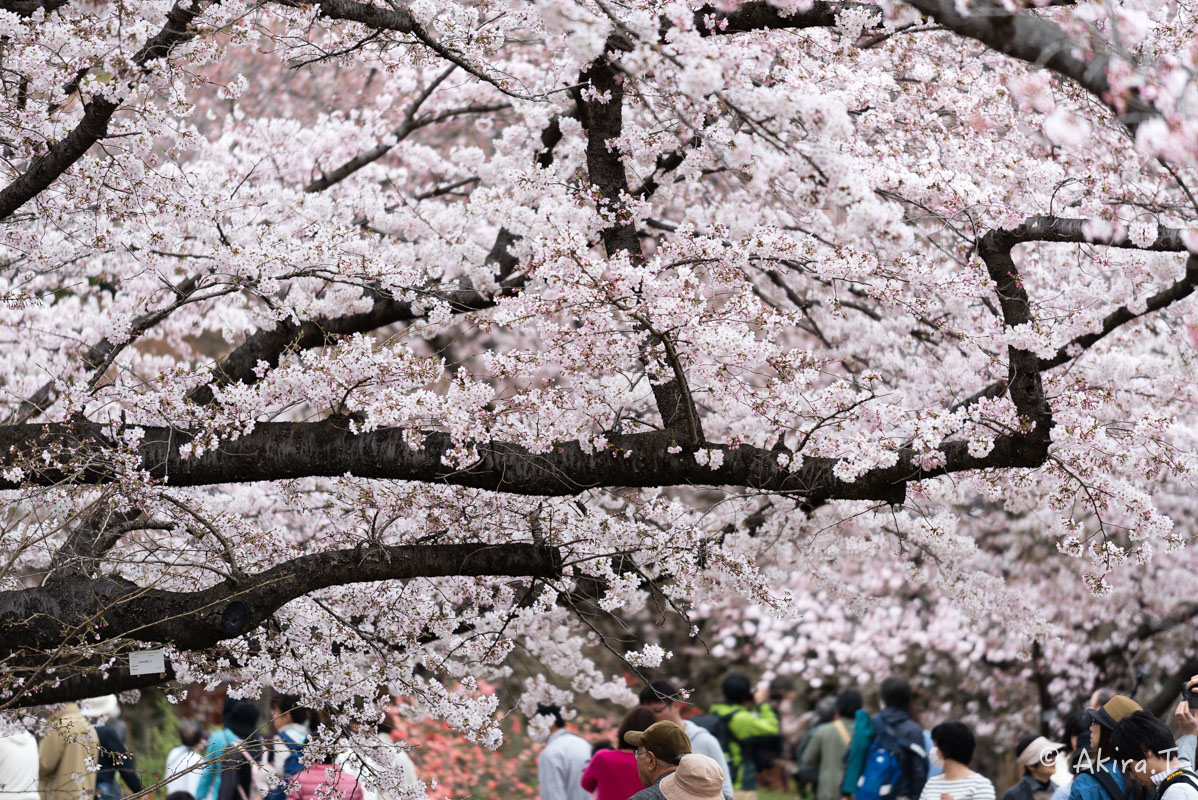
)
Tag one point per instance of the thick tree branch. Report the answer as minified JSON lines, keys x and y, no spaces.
{"x":604,"y":123}
{"x":758,"y":15}
{"x":46,"y":168}
{"x":1038,"y":41}
{"x":46,"y":617}
{"x":283,"y":450}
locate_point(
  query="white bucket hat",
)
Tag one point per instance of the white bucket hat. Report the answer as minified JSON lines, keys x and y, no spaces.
{"x":698,"y":777}
{"x":96,"y":707}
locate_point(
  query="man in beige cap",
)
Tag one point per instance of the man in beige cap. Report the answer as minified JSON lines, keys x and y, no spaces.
{"x":659,"y":749}
{"x":698,"y":777}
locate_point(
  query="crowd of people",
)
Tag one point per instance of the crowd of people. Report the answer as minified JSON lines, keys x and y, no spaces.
{"x":245,"y":758}
{"x":1111,"y":750}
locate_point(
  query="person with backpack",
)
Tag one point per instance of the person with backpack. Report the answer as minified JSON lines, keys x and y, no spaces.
{"x":231,"y":763}
{"x":887,"y":755}
{"x":284,"y":757}
{"x":1147,"y":743}
{"x":829,"y":744}
{"x":665,"y":701}
{"x":1099,"y":776}
{"x":748,"y":730}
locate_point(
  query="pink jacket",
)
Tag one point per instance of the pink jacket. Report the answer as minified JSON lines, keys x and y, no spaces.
{"x":307,"y":783}
{"x":612,"y":775}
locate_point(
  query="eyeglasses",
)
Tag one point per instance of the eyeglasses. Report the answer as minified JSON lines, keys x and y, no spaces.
{"x":640,"y":751}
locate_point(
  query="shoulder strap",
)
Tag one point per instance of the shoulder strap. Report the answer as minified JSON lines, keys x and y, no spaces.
{"x":1108,"y":783}
{"x":842,"y":730}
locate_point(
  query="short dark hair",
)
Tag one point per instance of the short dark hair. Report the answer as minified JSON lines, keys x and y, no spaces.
{"x":1022,"y":744}
{"x":551,"y":710}
{"x":180,"y":795}
{"x":896,"y":693}
{"x":736,"y":687}
{"x":955,"y":741}
{"x":656,"y":692}
{"x":848,"y":703}
{"x":1103,"y":695}
{"x":190,"y":733}
{"x":825,"y":709}
{"x":1139,"y":732}
{"x":290,"y":704}
{"x":637,"y":719}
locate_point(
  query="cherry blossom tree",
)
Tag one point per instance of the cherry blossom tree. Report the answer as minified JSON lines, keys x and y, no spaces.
{"x":366,"y":348}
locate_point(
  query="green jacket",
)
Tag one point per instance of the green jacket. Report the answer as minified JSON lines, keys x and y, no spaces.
{"x":744,"y":723}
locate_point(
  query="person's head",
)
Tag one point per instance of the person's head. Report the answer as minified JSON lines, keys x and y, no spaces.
{"x":658,"y":749}
{"x":896,"y":693}
{"x":848,"y":703}
{"x":288,"y":709}
{"x":180,"y":796}
{"x":661,"y":697}
{"x":551,"y":710}
{"x":638,"y":719}
{"x":698,"y":777}
{"x":1106,"y":718}
{"x":782,"y":689}
{"x":1145,"y":740}
{"x":191,"y":734}
{"x":242,"y":719}
{"x":1075,"y":725}
{"x":825,"y":710}
{"x":737,"y":688}
{"x":954,"y":741}
{"x":99,"y":709}
{"x":1101,"y":697}
{"x":1038,"y":756}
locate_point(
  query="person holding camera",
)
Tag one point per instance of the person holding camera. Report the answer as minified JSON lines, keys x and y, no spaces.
{"x":1187,"y":722}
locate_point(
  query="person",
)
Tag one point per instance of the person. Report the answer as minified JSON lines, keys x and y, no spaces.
{"x":698,"y":777}
{"x":953,"y":745}
{"x":612,"y":774}
{"x":1187,"y":723}
{"x":1076,"y":724}
{"x":360,"y":764}
{"x":1098,"y":774}
{"x":115,"y":757}
{"x":665,"y":701}
{"x":829,"y":744}
{"x":562,"y":761}
{"x":229,"y":770}
{"x":18,"y":766}
{"x":183,"y":760}
{"x":323,"y":779}
{"x":1038,"y":757}
{"x":1101,"y":697}
{"x":659,"y":749}
{"x":887,"y":755}
{"x":65,"y":754}
{"x":746,"y":717}
{"x":180,"y":796}
{"x":287,"y":747}
{"x":1147,"y":742}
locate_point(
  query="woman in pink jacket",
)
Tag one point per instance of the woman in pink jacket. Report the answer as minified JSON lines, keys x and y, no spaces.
{"x":324,"y":781}
{"x":612,"y":774}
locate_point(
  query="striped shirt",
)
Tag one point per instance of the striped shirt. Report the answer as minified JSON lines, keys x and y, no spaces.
{"x":975,"y":787}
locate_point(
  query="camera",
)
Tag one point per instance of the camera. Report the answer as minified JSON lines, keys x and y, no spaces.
{"x":1190,"y":694}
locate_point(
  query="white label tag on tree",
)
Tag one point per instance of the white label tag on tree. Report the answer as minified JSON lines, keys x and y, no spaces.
{"x":147,"y":662}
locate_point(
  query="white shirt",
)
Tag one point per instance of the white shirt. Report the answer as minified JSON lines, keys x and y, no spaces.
{"x":974,"y":787}
{"x":18,"y":767}
{"x":363,"y":767}
{"x":178,"y":760}
{"x":703,"y":742}
{"x":1180,"y":790}
{"x":560,"y":767}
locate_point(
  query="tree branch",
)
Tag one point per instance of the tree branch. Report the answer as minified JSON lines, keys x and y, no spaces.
{"x":45,"y":617}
